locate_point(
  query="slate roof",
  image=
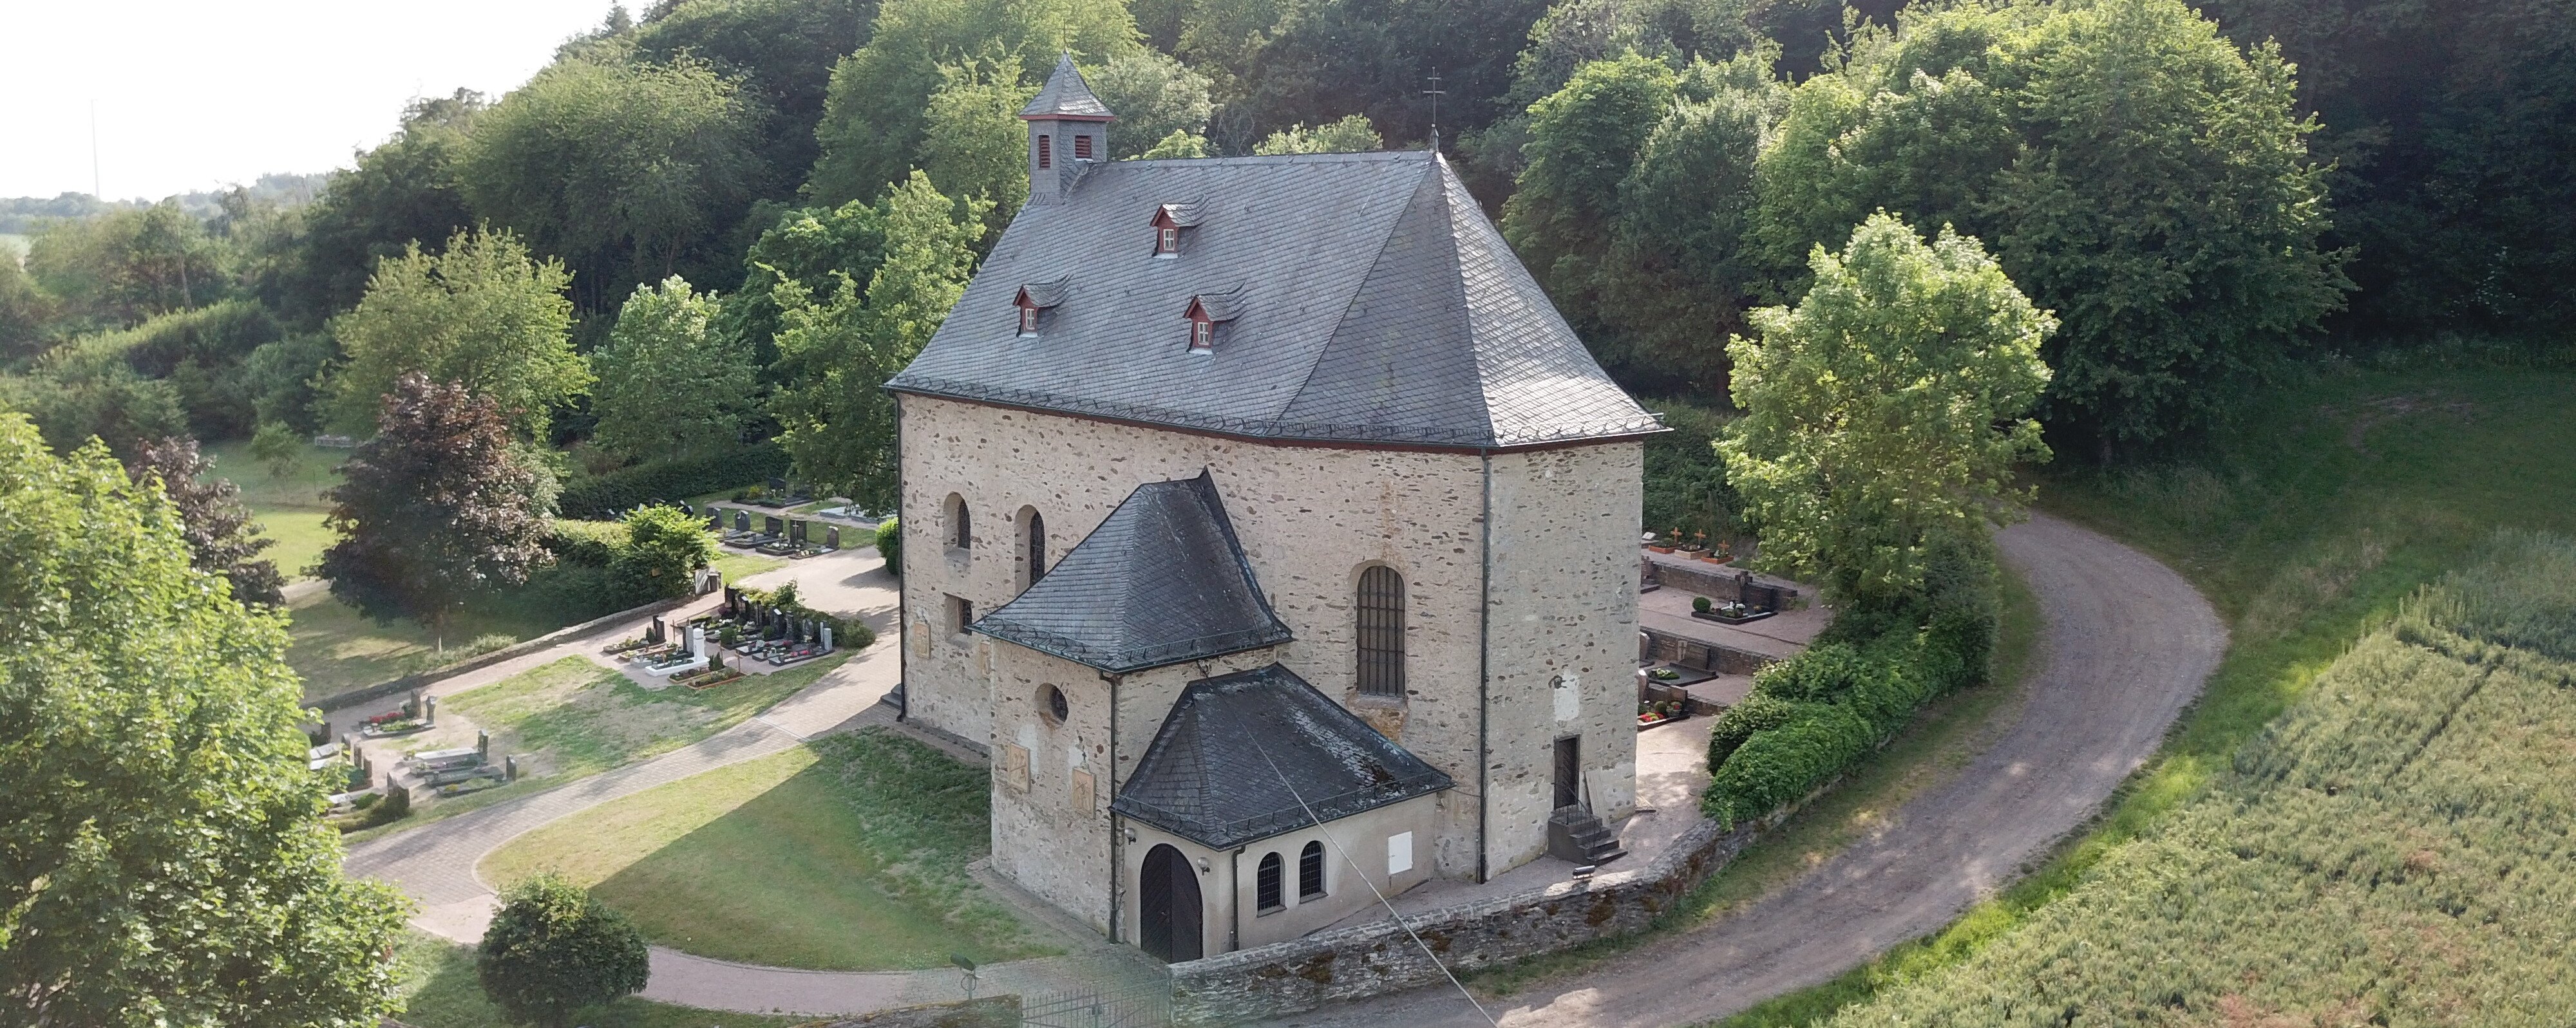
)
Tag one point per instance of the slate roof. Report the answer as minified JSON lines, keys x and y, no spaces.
{"x":1161,"y":581}
{"x":1375,"y":304}
{"x":1065,"y":95}
{"x":1219,"y":772}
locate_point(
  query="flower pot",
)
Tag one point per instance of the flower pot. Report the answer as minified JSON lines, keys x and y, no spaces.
{"x":1715,"y":559}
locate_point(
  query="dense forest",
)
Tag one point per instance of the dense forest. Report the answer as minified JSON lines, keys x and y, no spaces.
{"x":720,"y":223}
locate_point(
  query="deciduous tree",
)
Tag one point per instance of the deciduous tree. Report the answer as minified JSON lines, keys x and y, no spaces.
{"x":1886,"y":411}
{"x":973,"y":142}
{"x":668,"y":387}
{"x":434,"y":508}
{"x":663,"y":548}
{"x":552,"y":950}
{"x":221,"y":538}
{"x":480,"y":313}
{"x":1351,"y":134}
{"x":400,"y":193}
{"x":162,"y":855}
{"x":839,"y":420}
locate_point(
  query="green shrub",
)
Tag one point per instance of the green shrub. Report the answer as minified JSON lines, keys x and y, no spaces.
{"x":552,"y":950}
{"x":890,"y":545}
{"x":1781,"y":764}
{"x":669,"y":481}
{"x":1758,"y":712}
{"x":587,"y":543}
{"x":662,"y":547}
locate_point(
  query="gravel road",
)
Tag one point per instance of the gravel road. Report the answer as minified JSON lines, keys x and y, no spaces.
{"x":2127,"y":645}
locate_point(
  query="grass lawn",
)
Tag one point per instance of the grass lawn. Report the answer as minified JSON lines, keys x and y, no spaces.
{"x":572,"y":719}
{"x":847,"y":853}
{"x":2307,"y":526}
{"x":336,"y":649}
{"x":288,"y":508}
{"x":737,"y":565}
{"x":439,"y":991}
{"x":1945,"y":737}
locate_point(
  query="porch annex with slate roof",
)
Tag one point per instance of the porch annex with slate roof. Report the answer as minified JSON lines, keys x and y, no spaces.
{"x":1220,"y":771}
{"x":1373,"y":303}
{"x":1161,"y":581}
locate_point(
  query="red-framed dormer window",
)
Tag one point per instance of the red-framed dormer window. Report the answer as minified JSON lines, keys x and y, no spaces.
{"x":1028,"y":321}
{"x":1167,"y":241}
{"x":1082,"y":148}
{"x":1046,"y":153}
{"x":1202,"y":335}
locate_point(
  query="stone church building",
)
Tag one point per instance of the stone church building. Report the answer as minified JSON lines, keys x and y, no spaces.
{"x":1273,"y":532}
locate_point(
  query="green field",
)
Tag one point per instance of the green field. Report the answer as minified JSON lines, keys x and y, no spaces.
{"x":288,"y":507}
{"x":2308,"y":526}
{"x":439,"y":991}
{"x":572,"y":719}
{"x":848,"y":853}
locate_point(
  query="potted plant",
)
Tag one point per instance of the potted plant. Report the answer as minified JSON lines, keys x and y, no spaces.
{"x":1657,"y":545}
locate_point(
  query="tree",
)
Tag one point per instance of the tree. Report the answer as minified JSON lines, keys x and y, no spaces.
{"x":875,"y":114}
{"x":401,"y":193}
{"x":1884,"y":414}
{"x":663,"y":547}
{"x":162,"y":854}
{"x":128,"y":265}
{"x":221,"y":538}
{"x":433,"y":509}
{"x":1154,"y":96}
{"x":782,"y":50}
{"x":2132,"y":169}
{"x":973,"y":142}
{"x":1177,"y":145}
{"x":480,"y":313}
{"x":26,"y":312}
{"x":839,"y":352}
{"x":1351,"y":134}
{"x":552,"y":950}
{"x":627,"y":172}
{"x":1583,"y":143}
{"x":278,"y":447}
{"x":85,"y":389}
{"x":811,"y":248}
{"x":667,"y":386}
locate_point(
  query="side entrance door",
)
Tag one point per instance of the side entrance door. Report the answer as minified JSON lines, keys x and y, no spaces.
{"x":1569,"y":772}
{"x":1168,"y":899}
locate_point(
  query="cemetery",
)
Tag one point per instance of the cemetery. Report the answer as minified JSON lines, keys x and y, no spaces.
{"x":791,"y":537}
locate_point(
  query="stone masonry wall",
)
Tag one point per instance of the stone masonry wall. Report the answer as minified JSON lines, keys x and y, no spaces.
{"x":1311,"y":519}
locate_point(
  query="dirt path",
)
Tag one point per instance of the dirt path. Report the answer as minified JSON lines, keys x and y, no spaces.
{"x":2128,"y":644}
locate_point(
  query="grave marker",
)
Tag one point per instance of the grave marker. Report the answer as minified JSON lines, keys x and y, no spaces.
{"x":832,"y":537}
{"x":742,"y":521}
{"x":772,"y":527}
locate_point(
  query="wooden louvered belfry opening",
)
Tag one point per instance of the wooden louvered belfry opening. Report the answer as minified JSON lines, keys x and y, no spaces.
{"x":1381,"y":632}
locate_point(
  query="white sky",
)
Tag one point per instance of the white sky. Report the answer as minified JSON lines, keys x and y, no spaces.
{"x":196,"y":95}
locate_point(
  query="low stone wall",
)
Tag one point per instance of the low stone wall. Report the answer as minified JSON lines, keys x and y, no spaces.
{"x":422,"y":680}
{"x":989,"y":1012}
{"x":1725,"y":660}
{"x":1378,"y":958}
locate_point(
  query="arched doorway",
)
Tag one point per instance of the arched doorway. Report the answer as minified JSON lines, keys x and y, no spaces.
{"x":1168,"y":899}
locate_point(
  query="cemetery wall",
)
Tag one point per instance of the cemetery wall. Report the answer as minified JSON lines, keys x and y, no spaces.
{"x":1379,"y":957}
{"x":988,"y":1012}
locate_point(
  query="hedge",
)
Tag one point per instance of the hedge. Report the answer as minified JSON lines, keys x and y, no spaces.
{"x":1813,"y":716}
{"x":890,"y":546}
{"x":670,"y":481}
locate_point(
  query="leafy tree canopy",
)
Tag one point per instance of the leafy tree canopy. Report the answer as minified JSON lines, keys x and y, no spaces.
{"x":1352,"y":134}
{"x":809,"y":248}
{"x":162,"y":855}
{"x":1885,"y":412}
{"x":400,"y":194}
{"x":2133,"y":169}
{"x":782,"y":50}
{"x":1154,"y":97}
{"x":629,"y":172}
{"x":973,"y":141}
{"x":667,"y":386}
{"x":552,"y":950}
{"x":435,"y":508}
{"x":480,"y":313}
{"x":127,"y":265}
{"x":839,"y":421}
{"x":874,"y":117}
{"x":663,"y":547}
{"x":221,"y":538}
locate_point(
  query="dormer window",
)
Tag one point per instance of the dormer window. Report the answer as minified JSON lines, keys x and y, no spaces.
{"x":1169,"y":220}
{"x":1205,"y":311}
{"x":1033,"y":300}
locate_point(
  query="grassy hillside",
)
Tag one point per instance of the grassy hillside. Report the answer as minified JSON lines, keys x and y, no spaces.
{"x":2308,"y":526}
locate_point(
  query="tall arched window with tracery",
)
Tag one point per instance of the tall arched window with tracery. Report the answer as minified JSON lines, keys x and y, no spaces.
{"x":1381,"y":632}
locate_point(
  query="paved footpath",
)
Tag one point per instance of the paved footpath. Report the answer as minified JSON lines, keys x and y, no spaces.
{"x":435,"y":863}
{"x":2128,"y":643}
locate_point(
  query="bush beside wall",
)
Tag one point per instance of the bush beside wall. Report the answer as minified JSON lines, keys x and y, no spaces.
{"x":890,"y":546}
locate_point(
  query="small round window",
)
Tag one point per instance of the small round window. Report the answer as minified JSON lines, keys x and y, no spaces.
{"x":1056,"y":707}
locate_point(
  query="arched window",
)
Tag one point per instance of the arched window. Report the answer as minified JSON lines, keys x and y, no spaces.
{"x":1381,"y":632}
{"x":1032,"y":546}
{"x":961,"y":534}
{"x":1265,"y":889}
{"x":1310,"y":871}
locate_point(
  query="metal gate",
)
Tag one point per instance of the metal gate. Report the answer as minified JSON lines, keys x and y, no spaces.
{"x":1135,"y":1006}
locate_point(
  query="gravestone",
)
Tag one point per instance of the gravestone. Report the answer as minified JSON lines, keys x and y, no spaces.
{"x":777,"y":485}
{"x":429,"y":711}
{"x":715,"y":520}
{"x":832,"y":537}
{"x":697,"y":642}
{"x":654,"y":634}
{"x":796,"y":532}
{"x":510,"y":768}
{"x":732,"y":601}
{"x":483,"y":743}
{"x":772,"y":527}
{"x":742,"y":521}
{"x":827,"y":638}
